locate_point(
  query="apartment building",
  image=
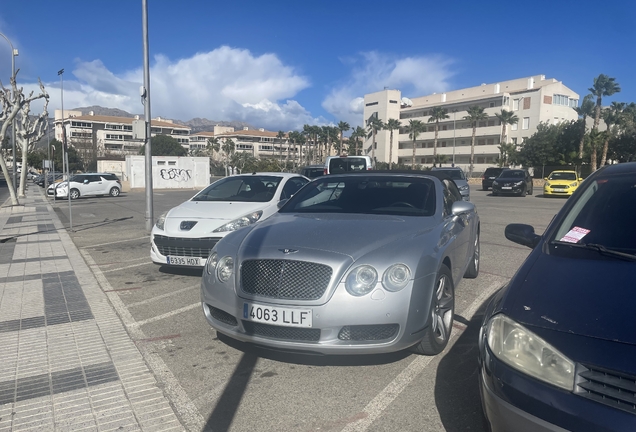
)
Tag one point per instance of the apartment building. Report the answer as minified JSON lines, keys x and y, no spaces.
{"x":533,"y":100}
{"x":261,"y":143}
{"x":111,"y":135}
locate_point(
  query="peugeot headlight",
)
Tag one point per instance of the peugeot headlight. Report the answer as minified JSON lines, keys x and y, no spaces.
{"x":396,"y":277}
{"x":224,"y":269}
{"x":161,"y":221}
{"x":211,"y":263}
{"x":519,"y":183}
{"x":240,"y":222}
{"x":361,"y":280}
{"x":523,"y":350}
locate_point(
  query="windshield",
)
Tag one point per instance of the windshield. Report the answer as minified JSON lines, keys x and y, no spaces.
{"x":252,"y":188}
{"x":341,"y":165}
{"x":390,"y":195}
{"x":455,"y":174}
{"x":513,"y":174}
{"x":562,"y":176}
{"x":603,"y":215}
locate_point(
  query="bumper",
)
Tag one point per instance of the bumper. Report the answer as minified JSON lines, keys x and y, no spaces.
{"x":516,"y":190}
{"x":333,"y":323}
{"x":552,"y":192}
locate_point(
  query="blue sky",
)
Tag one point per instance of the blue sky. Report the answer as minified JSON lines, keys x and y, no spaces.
{"x":282,"y":63}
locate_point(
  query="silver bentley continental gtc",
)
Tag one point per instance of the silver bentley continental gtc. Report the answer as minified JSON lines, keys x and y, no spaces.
{"x":351,"y":264}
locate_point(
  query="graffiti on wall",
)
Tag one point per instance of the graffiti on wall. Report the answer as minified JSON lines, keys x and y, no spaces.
{"x":176,"y":174}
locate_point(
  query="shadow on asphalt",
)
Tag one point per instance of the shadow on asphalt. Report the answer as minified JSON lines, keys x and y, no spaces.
{"x":181,"y":271}
{"x":457,"y":383}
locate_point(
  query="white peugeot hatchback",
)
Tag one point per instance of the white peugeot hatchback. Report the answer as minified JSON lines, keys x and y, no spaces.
{"x":88,"y":184}
{"x":185,"y":235}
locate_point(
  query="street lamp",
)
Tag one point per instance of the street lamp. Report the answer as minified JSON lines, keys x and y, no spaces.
{"x":65,"y":152}
{"x":14,"y":54}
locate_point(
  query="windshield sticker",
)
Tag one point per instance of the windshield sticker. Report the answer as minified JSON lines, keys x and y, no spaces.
{"x":575,"y":235}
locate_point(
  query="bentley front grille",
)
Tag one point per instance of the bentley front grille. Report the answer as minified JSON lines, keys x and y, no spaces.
{"x":283,"y":279}
{"x":185,"y":247}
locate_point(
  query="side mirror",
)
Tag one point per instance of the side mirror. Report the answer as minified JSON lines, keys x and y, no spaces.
{"x":85,"y":181}
{"x":545,"y":178}
{"x":460,"y":207}
{"x":522,"y":234}
{"x":580,"y":179}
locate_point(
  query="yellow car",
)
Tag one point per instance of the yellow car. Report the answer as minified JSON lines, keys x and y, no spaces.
{"x":561,"y":183}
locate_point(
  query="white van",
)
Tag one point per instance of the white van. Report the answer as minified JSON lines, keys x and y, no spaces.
{"x":344,"y":164}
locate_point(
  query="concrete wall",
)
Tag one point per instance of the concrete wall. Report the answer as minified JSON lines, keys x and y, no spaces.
{"x":168,"y":172}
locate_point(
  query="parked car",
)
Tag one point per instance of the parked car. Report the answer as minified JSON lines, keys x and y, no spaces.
{"x":458,"y":176}
{"x":87,"y":184}
{"x":561,"y":183}
{"x":52,"y":177}
{"x":313,"y":171}
{"x":557,"y":344}
{"x":185,"y":235}
{"x":343,"y":164}
{"x":513,"y":182}
{"x":351,"y":264}
{"x":489,"y":176}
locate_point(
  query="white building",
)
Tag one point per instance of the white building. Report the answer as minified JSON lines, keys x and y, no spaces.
{"x":112,"y":135}
{"x":533,"y":100}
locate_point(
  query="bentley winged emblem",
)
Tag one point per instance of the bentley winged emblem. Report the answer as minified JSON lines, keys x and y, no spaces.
{"x":288,"y":251}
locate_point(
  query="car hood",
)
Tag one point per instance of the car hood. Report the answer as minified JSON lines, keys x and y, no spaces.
{"x":210,"y":215}
{"x":510,"y":179}
{"x":352,"y":235}
{"x":593,"y":298}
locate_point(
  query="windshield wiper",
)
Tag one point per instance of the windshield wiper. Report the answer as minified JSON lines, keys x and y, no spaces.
{"x":599,"y":248}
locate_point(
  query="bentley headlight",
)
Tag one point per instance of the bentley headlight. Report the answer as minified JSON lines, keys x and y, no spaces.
{"x":161,"y":221}
{"x":361,"y":280}
{"x":396,"y":277}
{"x":521,"y":349}
{"x":211,"y":263}
{"x":240,"y":222}
{"x":224,"y":269}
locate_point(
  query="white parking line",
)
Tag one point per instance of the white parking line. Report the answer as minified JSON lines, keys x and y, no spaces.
{"x":162,"y":296}
{"x":127,"y":267}
{"x":178,"y":397}
{"x":115,"y":242}
{"x":168,"y":315}
{"x":381,"y":402}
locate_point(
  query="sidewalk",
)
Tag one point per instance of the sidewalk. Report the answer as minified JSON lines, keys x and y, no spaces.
{"x":66,"y":360}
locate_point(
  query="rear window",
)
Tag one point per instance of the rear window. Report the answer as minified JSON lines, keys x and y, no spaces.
{"x":455,"y":174}
{"x":342,"y":165}
{"x":493,"y":171}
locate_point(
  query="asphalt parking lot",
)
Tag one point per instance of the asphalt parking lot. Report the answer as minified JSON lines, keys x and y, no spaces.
{"x":219,"y":384}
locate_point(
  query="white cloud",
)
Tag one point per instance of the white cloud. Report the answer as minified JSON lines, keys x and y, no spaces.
{"x":223,"y":84}
{"x":373,"y":71}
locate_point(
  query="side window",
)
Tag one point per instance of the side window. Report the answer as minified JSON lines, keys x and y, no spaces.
{"x":292,"y":186}
{"x":451,"y":194}
{"x":94,"y":178}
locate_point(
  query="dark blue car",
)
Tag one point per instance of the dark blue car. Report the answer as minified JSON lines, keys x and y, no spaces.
{"x":558,"y":343}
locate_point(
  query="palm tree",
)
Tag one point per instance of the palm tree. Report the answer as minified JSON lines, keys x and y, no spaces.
{"x":374,"y":125}
{"x":308,"y":132}
{"x":414,"y":128}
{"x":475,"y":114}
{"x":213,"y":146}
{"x":611,"y":116}
{"x":603,"y":86}
{"x":228,"y":148}
{"x":391,"y":125}
{"x":343,"y":127}
{"x":437,"y":114}
{"x":359,"y":133}
{"x":280,"y":135}
{"x":585,"y":110}
{"x":506,"y":118}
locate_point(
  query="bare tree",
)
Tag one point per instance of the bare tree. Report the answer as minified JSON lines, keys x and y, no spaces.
{"x":13,"y":102}
{"x":29,"y":131}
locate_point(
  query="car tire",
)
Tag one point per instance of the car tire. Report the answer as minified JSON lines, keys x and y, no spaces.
{"x":114,"y":192}
{"x":75,"y":194}
{"x":438,"y":332}
{"x":473,"y":268}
